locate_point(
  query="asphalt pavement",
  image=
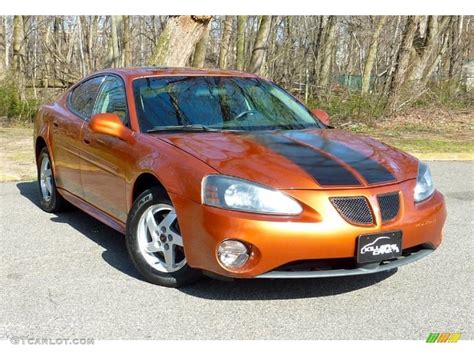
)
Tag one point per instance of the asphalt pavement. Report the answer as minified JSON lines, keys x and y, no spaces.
{"x":67,"y":275}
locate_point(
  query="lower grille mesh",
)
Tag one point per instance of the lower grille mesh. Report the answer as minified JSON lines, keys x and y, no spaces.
{"x":354,"y":209}
{"x":389,"y":205}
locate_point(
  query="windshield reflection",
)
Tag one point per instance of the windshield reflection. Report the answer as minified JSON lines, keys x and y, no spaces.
{"x":227,"y":103}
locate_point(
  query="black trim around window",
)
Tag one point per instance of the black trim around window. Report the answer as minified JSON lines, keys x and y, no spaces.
{"x":104,"y":75}
{"x":125,"y":92}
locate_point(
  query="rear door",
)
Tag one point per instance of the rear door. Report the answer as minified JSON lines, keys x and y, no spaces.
{"x":66,"y":132}
{"x":106,"y":158}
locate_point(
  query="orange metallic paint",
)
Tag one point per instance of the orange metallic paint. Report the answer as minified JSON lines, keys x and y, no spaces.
{"x":97,"y":163}
{"x":110,"y":124}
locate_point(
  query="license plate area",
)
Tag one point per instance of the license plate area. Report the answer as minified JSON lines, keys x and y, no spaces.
{"x":378,"y":247}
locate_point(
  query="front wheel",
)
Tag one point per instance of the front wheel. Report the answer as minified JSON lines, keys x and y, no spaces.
{"x":154,"y":241}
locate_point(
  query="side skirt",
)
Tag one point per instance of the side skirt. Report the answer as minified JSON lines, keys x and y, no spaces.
{"x":93,"y":211}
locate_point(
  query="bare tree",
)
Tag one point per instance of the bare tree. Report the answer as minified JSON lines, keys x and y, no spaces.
{"x":126,"y":38}
{"x":114,"y":60}
{"x":225,"y":41}
{"x":3,"y":64}
{"x":369,"y":63}
{"x":19,"y":54}
{"x":327,"y":53}
{"x":402,"y":66}
{"x":240,"y":50}
{"x":199,"y":57}
{"x":178,"y":39}
{"x":315,"y":57}
{"x":260,"y":45}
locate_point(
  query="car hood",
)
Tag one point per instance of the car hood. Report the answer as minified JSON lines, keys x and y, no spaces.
{"x":302,"y":159}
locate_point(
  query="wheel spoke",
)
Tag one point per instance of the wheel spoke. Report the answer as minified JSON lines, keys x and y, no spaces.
{"x":152,"y":247}
{"x":176,"y":238}
{"x":151,"y":225}
{"x":49,"y":186}
{"x":47,"y":173}
{"x":169,"y":255}
{"x":168,"y":220}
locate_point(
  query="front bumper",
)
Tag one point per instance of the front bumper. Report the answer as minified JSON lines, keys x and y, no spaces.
{"x":319,"y":233}
{"x":371,"y":268}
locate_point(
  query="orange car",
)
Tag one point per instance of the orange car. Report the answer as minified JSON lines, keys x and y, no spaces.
{"x":224,"y":173}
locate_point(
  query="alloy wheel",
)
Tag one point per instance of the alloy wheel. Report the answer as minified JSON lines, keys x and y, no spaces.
{"x":46,"y":179}
{"x":159,"y":238}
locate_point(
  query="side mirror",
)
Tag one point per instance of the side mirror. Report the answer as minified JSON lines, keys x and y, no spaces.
{"x":322,"y":116}
{"x":110,"y":124}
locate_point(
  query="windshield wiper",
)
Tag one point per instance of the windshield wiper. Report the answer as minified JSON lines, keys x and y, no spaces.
{"x":183,"y":128}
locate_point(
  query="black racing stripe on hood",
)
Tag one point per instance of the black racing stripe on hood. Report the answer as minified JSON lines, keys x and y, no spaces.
{"x":372,"y":171}
{"x":324,"y":170}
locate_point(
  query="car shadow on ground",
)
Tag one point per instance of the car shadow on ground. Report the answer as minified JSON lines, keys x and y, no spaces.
{"x":115,"y":254}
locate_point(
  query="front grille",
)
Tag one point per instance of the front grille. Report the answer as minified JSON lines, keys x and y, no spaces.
{"x":318,"y":265}
{"x":389,"y":205}
{"x":354,"y":209}
{"x":341,"y":263}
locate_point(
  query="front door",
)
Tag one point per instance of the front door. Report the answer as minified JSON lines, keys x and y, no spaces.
{"x":105,"y":158}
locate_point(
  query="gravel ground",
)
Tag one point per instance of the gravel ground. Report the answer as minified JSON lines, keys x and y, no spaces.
{"x":68,"y":275}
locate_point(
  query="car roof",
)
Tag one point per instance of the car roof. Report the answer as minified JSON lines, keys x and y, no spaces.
{"x":137,"y":72}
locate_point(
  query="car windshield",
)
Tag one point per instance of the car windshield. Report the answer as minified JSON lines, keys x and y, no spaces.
{"x":223,"y":103}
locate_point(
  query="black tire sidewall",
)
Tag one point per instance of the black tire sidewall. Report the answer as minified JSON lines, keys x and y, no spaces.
{"x":181,"y":277}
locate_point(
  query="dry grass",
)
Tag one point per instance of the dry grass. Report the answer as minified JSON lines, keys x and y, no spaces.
{"x":427,"y":132}
{"x":17,"y":161}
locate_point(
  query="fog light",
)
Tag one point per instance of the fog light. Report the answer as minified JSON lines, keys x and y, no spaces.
{"x":233,"y":254}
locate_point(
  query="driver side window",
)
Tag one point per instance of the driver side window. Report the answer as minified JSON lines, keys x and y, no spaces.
{"x":112,"y":99}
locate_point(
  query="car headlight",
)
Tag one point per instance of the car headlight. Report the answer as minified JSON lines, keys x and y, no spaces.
{"x":236,"y":194}
{"x":424,"y":183}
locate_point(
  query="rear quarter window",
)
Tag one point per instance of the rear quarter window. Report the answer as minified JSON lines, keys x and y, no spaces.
{"x":82,"y":98}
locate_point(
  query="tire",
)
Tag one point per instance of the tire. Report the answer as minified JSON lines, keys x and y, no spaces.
{"x":51,"y":200}
{"x":154,"y":241}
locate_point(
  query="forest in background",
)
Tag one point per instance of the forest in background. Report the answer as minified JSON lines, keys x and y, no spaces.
{"x":354,"y":67}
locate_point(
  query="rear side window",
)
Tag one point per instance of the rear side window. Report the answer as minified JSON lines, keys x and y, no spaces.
{"x":83,"y":97}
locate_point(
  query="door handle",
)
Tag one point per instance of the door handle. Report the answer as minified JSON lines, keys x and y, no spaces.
{"x":87,"y":140}
{"x":102,"y":141}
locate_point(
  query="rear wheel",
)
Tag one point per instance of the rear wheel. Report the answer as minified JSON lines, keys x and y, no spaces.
{"x":51,"y":200}
{"x":154,"y":241}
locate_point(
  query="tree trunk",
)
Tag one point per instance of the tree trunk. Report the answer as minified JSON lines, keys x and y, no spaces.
{"x":327,"y":51}
{"x":17,"y":43}
{"x":240,"y":57}
{"x":260,"y":45}
{"x":403,"y":61}
{"x":369,"y":63}
{"x":80,"y":46}
{"x":3,"y":52}
{"x":126,"y":35}
{"x":91,"y":43}
{"x":115,"y":25}
{"x":392,"y":57}
{"x":18,"y":40}
{"x":226,"y":28}
{"x":178,"y":40}
{"x":318,"y":46}
{"x":424,"y":48}
{"x":46,"y":37}
{"x":86,"y":45}
{"x":199,"y":58}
